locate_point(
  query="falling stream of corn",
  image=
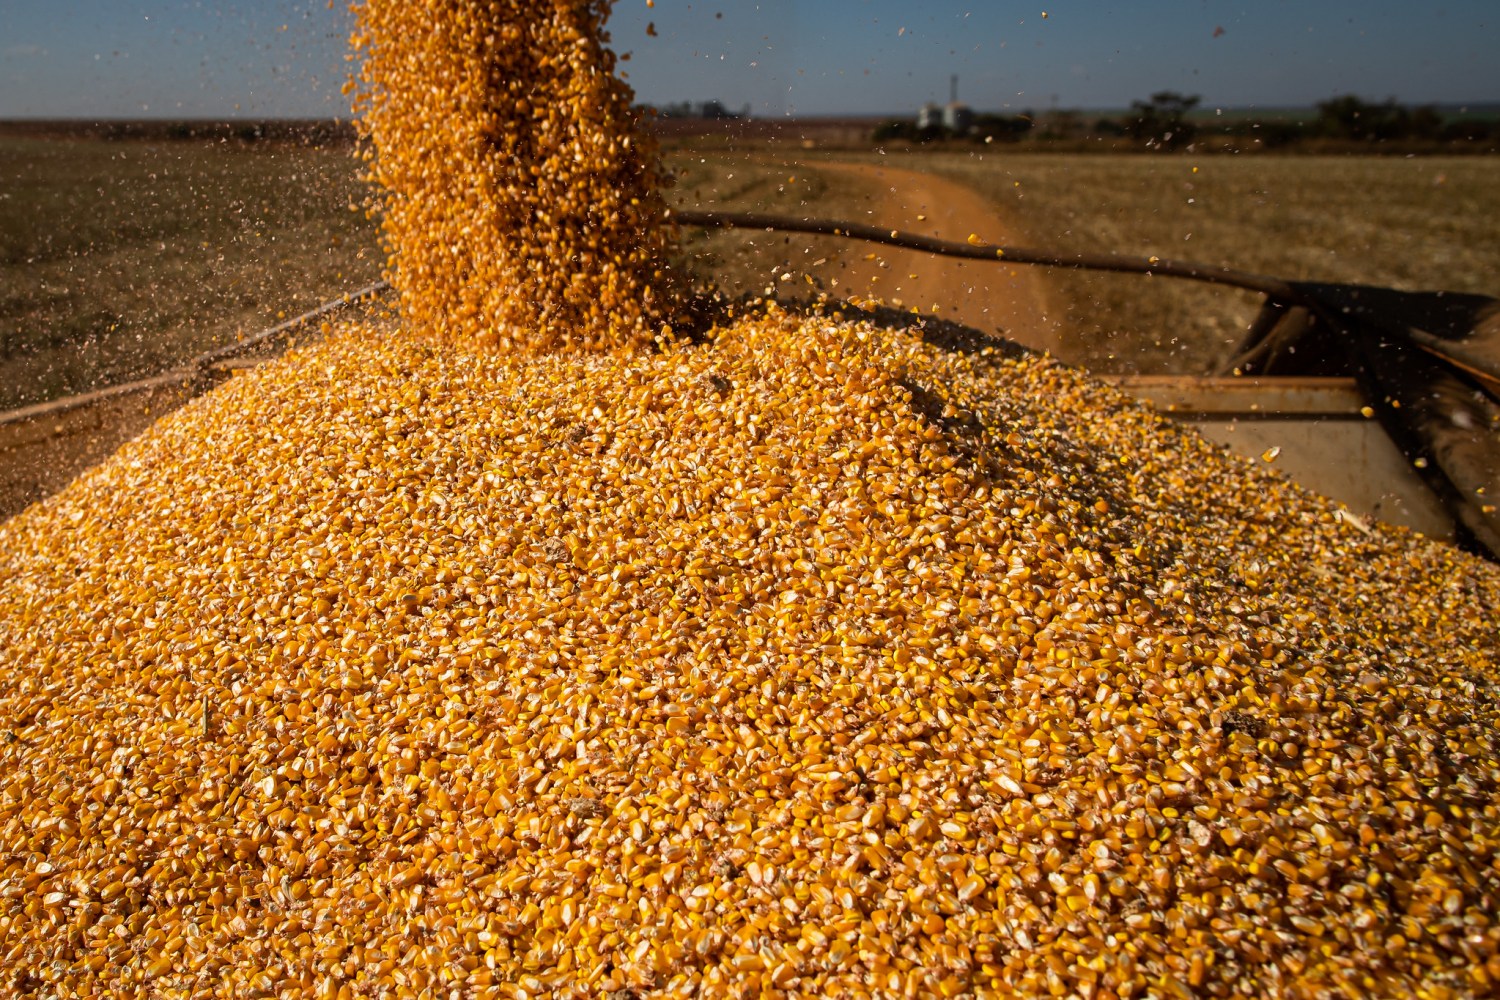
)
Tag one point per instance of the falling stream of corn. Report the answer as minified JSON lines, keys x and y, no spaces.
{"x":536,"y":652}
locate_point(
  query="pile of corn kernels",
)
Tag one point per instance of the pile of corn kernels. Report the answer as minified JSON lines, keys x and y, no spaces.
{"x":521,"y":207}
{"x":811,"y":661}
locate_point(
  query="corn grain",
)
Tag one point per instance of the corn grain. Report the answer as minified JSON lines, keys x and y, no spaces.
{"x":520,"y":205}
{"x":806,"y":659}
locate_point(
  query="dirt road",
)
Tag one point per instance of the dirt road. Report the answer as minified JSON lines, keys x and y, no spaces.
{"x":988,"y":297}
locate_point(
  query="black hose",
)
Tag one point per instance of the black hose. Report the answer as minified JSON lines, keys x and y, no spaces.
{"x":239,"y":347}
{"x":1284,"y":293}
{"x":1276,"y":288}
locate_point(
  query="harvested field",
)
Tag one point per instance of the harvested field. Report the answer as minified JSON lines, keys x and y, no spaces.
{"x":133,"y":291}
{"x":1406,"y":223}
{"x":121,"y":259}
{"x":1004,"y":301}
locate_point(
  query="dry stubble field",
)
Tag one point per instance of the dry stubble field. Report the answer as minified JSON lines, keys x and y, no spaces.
{"x":121,"y":258}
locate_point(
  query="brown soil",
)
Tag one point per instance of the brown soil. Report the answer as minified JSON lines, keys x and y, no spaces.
{"x":999,"y":297}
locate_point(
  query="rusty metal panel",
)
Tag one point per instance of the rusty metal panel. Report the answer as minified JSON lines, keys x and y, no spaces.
{"x":1275,"y":398}
{"x":1320,"y":435}
{"x":43,"y":447}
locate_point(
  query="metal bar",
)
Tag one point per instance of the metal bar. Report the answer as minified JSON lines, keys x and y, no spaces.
{"x":1274,"y":397}
{"x":255,"y":340}
{"x":67,"y":404}
{"x":1456,"y":355}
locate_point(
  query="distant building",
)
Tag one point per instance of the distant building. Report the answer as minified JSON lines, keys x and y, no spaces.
{"x":952,"y":117}
{"x":957,"y":117}
{"x":713,"y":110}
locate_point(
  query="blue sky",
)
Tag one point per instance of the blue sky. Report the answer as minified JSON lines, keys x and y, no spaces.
{"x":269,"y":58}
